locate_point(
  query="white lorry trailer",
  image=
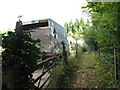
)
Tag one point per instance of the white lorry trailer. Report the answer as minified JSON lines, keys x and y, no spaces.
{"x":49,"y":32}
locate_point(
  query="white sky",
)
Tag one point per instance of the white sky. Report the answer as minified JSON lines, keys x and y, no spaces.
{"x":60,"y":11}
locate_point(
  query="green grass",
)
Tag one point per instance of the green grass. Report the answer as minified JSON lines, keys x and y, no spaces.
{"x":98,"y":74}
{"x":89,"y":62}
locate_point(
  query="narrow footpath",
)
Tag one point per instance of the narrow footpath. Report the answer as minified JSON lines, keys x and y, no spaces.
{"x":86,"y":76}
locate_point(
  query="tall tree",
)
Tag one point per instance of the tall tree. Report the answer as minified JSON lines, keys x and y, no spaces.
{"x":105,"y":23}
{"x":75,"y":30}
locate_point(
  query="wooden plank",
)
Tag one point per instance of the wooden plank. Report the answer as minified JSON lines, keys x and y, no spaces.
{"x":45,"y":82}
{"x":42,"y":74}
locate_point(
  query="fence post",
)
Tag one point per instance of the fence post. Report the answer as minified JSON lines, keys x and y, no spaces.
{"x":64,"y":53}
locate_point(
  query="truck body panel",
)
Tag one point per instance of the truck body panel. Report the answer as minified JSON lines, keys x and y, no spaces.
{"x":49,"y":32}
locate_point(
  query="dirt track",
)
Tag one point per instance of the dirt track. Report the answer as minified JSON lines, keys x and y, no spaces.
{"x":86,"y":75}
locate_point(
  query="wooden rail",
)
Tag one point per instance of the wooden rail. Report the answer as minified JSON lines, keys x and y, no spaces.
{"x":44,"y":69}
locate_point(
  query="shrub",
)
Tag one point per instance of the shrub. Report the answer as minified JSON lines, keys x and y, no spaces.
{"x":19,"y":59}
{"x":62,"y":75}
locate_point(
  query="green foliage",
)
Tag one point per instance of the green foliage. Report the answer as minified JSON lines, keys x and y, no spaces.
{"x":19,"y":56}
{"x":105,"y":75}
{"x":103,"y":15}
{"x":97,"y":74}
{"x":84,"y":48}
{"x":66,"y":26}
{"x":80,"y":52}
{"x":105,"y":31}
{"x":82,"y":24}
{"x":62,"y":75}
{"x":90,"y":39}
{"x":74,"y":29}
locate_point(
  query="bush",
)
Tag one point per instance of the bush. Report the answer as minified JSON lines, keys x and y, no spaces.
{"x":62,"y":75}
{"x":19,"y":59}
{"x":105,"y":73}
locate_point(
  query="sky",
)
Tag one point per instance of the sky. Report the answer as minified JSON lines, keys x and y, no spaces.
{"x":60,"y":11}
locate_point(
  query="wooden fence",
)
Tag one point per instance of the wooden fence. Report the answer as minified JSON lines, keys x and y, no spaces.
{"x":44,"y":69}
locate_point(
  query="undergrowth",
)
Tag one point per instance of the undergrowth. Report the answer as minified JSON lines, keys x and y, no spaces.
{"x":105,"y":74}
{"x":99,"y":74}
{"x":62,"y":75}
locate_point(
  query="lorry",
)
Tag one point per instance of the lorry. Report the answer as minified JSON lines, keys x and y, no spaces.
{"x":50,"y":33}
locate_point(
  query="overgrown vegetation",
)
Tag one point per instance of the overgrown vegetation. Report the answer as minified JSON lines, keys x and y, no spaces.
{"x":19,"y":58}
{"x":92,"y":73}
{"x":98,"y":74}
{"x":105,"y":75}
{"x":102,"y":63}
{"x":103,"y":35}
{"x":74,"y":30}
{"x":63,"y":74}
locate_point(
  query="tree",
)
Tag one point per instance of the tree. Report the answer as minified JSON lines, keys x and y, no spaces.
{"x":19,"y":58}
{"x":105,"y":23}
{"x":66,"y":26}
{"x":74,"y":30}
